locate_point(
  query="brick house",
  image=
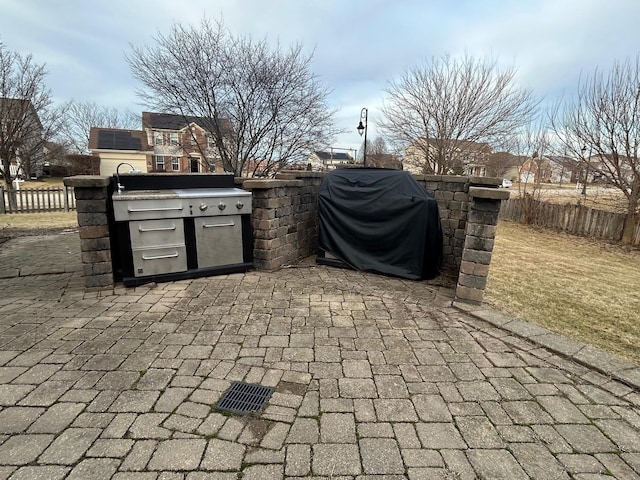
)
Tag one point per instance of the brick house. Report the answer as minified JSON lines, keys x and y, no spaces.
{"x":424,"y":156}
{"x":166,"y":143}
{"x":180,"y":144}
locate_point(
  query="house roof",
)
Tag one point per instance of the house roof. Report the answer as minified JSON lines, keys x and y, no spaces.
{"x":333,"y":156}
{"x":170,"y":121}
{"x":116,"y":139}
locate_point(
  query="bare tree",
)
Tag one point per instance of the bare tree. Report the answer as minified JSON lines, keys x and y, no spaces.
{"x":81,"y":116}
{"x":27,"y":115}
{"x":441,"y":110}
{"x":262,"y":105}
{"x":604,"y":119}
{"x":376,"y":147}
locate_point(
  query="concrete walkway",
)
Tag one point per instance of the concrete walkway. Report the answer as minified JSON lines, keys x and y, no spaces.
{"x":374,"y":377}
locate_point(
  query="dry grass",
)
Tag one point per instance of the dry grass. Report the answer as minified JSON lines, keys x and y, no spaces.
{"x":581,"y":288}
{"x":45,"y":182}
{"x":38,"y":221}
{"x":599,"y":197}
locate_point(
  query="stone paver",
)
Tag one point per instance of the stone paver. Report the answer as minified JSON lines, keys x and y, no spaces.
{"x":374,"y":378}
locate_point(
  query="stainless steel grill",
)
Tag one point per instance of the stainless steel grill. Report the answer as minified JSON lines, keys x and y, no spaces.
{"x":182,"y":231}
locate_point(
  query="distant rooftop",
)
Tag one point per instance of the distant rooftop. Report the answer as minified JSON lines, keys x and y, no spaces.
{"x":116,"y":139}
{"x":333,"y":156}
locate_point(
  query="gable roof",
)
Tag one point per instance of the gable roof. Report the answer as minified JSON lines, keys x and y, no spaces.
{"x":333,"y":156}
{"x":117,"y":139}
{"x":170,"y":121}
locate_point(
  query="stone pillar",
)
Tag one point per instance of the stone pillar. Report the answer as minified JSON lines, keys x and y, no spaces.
{"x":91,"y":193}
{"x":480,"y":232}
{"x":284,"y":218}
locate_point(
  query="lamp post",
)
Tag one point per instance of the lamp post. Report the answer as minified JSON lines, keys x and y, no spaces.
{"x":362,"y":128}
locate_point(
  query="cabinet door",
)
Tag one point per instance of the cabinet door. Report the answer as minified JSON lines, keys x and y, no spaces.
{"x":218,"y":240}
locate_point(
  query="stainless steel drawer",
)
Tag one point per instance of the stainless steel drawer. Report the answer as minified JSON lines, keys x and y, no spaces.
{"x":155,"y":261}
{"x":156,"y":233}
{"x":149,"y":209}
{"x":219,"y":240}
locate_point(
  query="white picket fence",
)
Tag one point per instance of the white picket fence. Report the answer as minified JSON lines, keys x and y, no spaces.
{"x":34,"y":200}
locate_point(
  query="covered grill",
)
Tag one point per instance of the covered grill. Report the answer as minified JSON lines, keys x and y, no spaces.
{"x":379,"y":220}
{"x":173,"y":233}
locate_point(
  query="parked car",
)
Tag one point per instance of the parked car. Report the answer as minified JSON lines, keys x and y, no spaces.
{"x":506,"y":183}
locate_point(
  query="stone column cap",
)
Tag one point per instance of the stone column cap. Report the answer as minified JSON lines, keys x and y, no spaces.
{"x":489,"y":193}
{"x":87,"y":181}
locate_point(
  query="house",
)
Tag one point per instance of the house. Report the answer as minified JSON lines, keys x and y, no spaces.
{"x":114,"y":146}
{"x":536,"y":170}
{"x":21,"y":141}
{"x":166,"y":143}
{"x":324,"y":161}
{"x":182,"y":143}
{"x":384,"y":160}
{"x":444,"y":156}
{"x":504,"y":165}
{"x":565,"y":169}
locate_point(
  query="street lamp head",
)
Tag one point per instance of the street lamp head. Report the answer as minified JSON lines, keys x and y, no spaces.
{"x":360,"y":128}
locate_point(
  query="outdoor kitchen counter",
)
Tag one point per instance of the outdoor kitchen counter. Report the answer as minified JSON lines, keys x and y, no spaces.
{"x":175,"y":233}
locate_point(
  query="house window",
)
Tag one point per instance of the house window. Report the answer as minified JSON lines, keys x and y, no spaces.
{"x":159,"y":161}
{"x":175,"y":163}
{"x":159,"y":138}
{"x":211,"y":141}
{"x":174,"y":138}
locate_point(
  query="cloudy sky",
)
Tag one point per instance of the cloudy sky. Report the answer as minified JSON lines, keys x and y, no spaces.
{"x":359,"y":45}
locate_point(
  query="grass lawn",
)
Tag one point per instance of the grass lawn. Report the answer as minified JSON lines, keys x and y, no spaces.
{"x":575,"y":286}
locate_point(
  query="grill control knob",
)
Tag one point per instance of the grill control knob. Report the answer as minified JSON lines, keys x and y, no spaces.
{"x":239,"y":205}
{"x":222,"y":206}
{"x":203,"y":206}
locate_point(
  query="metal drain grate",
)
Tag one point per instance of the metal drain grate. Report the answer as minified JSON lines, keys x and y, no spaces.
{"x":244,"y":397}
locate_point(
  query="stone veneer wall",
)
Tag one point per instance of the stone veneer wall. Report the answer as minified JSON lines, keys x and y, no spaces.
{"x":284,"y":218}
{"x":92,"y":205}
{"x":285,"y":224}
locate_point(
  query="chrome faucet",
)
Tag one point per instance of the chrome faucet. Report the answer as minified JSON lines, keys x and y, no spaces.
{"x":133,"y":170}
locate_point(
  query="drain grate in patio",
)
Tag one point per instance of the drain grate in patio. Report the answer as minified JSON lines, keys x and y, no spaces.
{"x":243,"y":398}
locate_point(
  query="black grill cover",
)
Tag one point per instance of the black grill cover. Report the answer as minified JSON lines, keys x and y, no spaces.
{"x":380,"y":220}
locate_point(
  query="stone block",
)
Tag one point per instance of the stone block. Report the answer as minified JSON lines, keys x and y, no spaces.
{"x":481,"y":230}
{"x":96,"y":256}
{"x":93,"y":244}
{"x":479,"y":243}
{"x":443,"y":195}
{"x":97,"y":268}
{"x":82,"y":194}
{"x":92,"y":219}
{"x":486,"y":205}
{"x":469,"y":294}
{"x":476,"y":256}
{"x":483,"y":217}
{"x":91,"y":206}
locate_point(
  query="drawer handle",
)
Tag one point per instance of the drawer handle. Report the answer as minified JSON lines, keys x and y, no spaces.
{"x":161,"y":209}
{"x":158,"y":257}
{"x":230,"y":224}
{"x":158,"y":229}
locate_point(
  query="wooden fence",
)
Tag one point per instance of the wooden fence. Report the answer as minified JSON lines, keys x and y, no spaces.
{"x":574,"y":219}
{"x":33,"y":200}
